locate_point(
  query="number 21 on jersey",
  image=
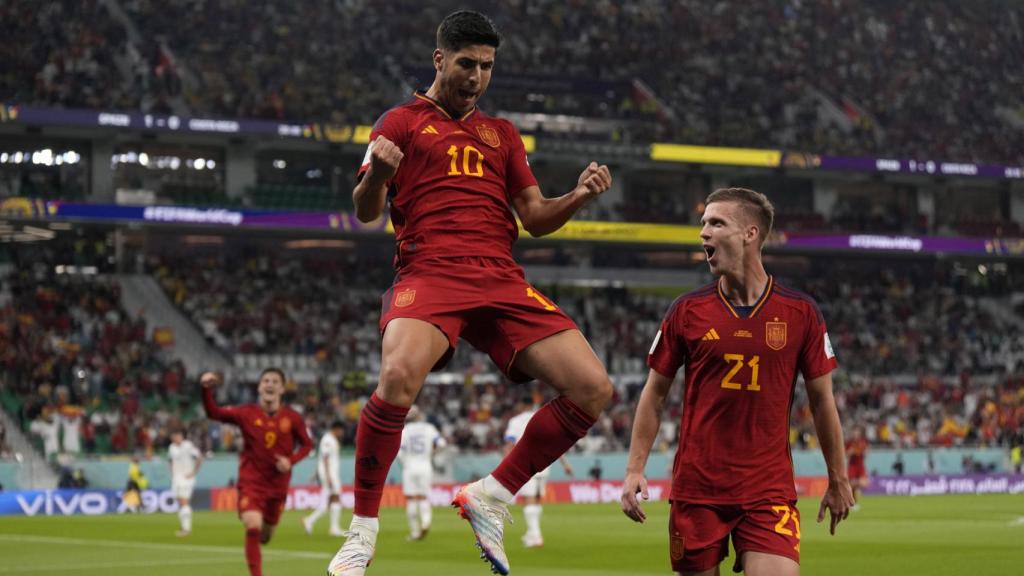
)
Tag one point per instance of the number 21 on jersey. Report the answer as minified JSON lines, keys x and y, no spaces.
{"x":738,"y":361}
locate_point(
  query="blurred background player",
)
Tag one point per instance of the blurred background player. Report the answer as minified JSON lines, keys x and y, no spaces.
{"x":532,"y":492}
{"x":328,"y":473}
{"x":453,"y":176}
{"x":274,"y":438}
{"x":184,"y":459}
{"x":137,"y":482}
{"x":857,"y":452}
{"x":419,"y":440}
{"x":742,"y":338}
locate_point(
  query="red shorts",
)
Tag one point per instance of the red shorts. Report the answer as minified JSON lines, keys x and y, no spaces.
{"x":857,"y":472}
{"x":486,"y":301}
{"x":269,"y":505}
{"x":699,"y":533}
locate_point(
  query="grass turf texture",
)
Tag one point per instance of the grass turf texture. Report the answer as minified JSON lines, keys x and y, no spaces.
{"x":927,"y":536}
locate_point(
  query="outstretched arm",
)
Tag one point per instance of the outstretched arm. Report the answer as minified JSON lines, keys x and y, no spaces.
{"x":542,"y":216}
{"x":645,"y":430}
{"x":838,"y":497}
{"x":209,"y":381}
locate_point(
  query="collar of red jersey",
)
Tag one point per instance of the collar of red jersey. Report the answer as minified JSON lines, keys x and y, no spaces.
{"x":757,"y":306}
{"x":422,"y":95}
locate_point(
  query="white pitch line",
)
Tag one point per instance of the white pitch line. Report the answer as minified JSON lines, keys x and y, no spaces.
{"x":154,"y":546}
{"x":1018,"y":522}
{"x":79,"y":566}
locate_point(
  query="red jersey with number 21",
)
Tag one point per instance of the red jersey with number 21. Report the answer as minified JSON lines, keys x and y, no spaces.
{"x":451,"y":193}
{"x":740,"y":376}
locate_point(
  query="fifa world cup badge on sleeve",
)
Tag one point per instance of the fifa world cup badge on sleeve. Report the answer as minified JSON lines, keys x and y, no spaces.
{"x":775,"y":334}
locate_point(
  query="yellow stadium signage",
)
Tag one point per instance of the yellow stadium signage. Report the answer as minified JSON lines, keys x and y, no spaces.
{"x":626,"y":232}
{"x":361,"y":135}
{"x":714,"y":155}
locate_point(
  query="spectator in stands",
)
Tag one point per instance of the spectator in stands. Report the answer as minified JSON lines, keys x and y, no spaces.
{"x":46,"y":428}
{"x":825,"y":75}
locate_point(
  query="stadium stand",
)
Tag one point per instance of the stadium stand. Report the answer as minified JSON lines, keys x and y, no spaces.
{"x":849,"y":77}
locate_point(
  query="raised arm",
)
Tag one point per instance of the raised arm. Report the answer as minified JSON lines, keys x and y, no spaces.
{"x":645,"y":430}
{"x":541,"y":216}
{"x":838,"y":498}
{"x":209,"y":381}
{"x":370,"y":193}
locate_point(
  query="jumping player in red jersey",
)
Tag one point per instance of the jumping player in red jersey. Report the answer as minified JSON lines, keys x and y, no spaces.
{"x":857,"y":449}
{"x":455,"y":179}
{"x":742,"y":338}
{"x":270,"y":433}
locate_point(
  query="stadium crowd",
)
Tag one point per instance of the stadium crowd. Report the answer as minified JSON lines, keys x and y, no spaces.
{"x":920,"y":333}
{"x":917,"y":80}
{"x":927,"y":355}
{"x":78,"y":370}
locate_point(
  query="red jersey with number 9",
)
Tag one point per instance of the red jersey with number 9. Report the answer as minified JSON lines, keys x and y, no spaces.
{"x":740,"y":376}
{"x":451,"y":193}
{"x":265,"y":437}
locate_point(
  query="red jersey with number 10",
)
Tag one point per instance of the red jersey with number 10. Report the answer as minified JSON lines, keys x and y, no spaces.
{"x":740,"y":377}
{"x":265,"y":437}
{"x":451,"y":193}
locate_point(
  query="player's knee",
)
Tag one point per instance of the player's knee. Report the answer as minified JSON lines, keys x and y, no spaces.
{"x":594,"y":391}
{"x":601,"y":391}
{"x":397,"y":381}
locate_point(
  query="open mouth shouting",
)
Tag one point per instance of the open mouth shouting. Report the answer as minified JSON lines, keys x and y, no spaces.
{"x":466,"y":96}
{"x":709,"y":251}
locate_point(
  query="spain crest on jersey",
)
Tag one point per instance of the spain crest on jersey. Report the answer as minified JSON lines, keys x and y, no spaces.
{"x":405,"y":298}
{"x":775,"y":335}
{"x":489,"y":135}
{"x":286,"y":425}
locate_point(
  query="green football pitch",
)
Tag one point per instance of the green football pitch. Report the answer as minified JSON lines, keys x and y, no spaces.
{"x":927,"y":536}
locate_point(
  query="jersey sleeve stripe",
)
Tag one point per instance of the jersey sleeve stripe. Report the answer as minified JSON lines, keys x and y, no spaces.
{"x":803,"y":297}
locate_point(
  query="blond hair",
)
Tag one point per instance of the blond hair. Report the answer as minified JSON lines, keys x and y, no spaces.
{"x":756,"y":205}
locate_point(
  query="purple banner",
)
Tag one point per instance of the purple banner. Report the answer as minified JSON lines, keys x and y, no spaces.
{"x":937,"y":484}
{"x":917,"y":244}
{"x":341,"y":221}
{"x":172,"y":123}
{"x":897,"y":166}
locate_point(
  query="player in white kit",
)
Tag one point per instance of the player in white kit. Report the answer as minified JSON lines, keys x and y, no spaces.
{"x":419,"y":440}
{"x":533,"y":491}
{"x":184,"y":459}
{"x":328,"y":472}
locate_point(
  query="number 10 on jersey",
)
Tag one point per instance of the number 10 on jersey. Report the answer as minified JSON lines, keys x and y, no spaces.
{"x":472,"y":161}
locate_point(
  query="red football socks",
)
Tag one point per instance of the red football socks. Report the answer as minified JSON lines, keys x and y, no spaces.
{"x":252,"y":552}
{"x":552,"y":430}
{"x":378,"y":439}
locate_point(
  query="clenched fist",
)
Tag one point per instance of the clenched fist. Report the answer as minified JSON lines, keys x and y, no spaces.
{"x":210,"y":379}
{"x":595,"y":180}
{"x":384,"y":158}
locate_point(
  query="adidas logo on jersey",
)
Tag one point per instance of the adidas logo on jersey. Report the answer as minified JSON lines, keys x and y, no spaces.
{"x":429,"y":130}
{"x":711,"y":335}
